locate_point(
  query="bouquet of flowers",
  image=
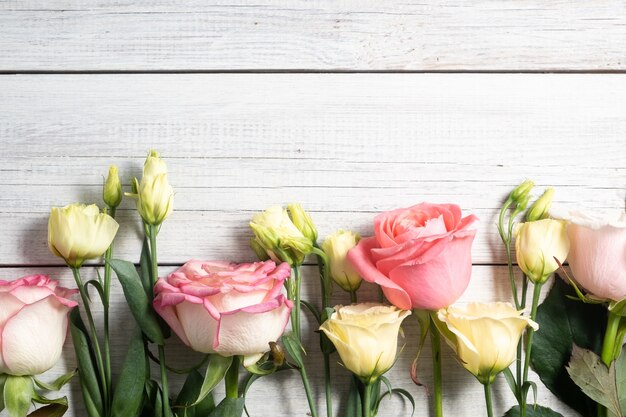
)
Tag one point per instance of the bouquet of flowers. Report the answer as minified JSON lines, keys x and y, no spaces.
{"x":246,"y":318}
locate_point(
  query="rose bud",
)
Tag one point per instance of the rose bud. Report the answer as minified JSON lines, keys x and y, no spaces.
{"x":336,"y":247}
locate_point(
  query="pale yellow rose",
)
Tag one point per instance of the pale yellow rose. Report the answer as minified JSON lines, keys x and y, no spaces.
{"x":79,"y":232}
{"x":484,"y":336}
{"x":336,"y":247}
{"x":155,"y":196}
{"x":112,"y":191}
{"x":366,"y":337}
{"x":276,"y":233}
{"x":537,"y":244}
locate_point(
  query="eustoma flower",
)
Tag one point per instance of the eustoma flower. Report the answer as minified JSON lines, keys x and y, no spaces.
{"x":484,"y":336}
{"x":78,"y":232}
{"x":33,"y":324}
{"x":155,"y":196}
{"x":598,"y":254}
{"x":225,"y":308}
{"x":537,"y":244}
{"x":420,"y":256}
{"x":366,"y":337}
{"x":336,"y":247}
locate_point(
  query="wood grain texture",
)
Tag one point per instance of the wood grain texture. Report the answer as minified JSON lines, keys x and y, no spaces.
{"x":345,"y":145}
{"x":270,"y":396}
{"x":485,"y":35}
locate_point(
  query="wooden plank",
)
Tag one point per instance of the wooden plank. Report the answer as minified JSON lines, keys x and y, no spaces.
{"x":165,"y":35}
{"x":346,"y":147}
{"x":463,"y":393}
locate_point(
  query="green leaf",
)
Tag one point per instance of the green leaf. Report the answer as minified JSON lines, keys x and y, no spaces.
{"x":188,"y":395}
{"x":215,"y":372}
{"x":313,"y":310}
{"x":51,"y":410}
{"x":229,"y":407}
{"x":90,"y":387}
{"x":58,"y":383}
{"x":594,"y":378}
{"x":18,"y":392}
{"x":128,"y":396}
{"x":536,"y":411}
{"x":562,"y":323}
{"x":137,"y":299}
{"x":294,"y":348}
{"x":401,"y":392}
{"x":620,"y":377}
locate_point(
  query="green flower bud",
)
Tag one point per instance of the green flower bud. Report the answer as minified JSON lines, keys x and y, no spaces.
{"x":539,"y":209}
{"x":302,"y":221}
{"x":522,"y":191}
{"x":112,"y":191}
{"x":258,"y":249}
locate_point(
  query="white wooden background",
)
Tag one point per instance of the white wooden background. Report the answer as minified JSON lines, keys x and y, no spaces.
{"x":350,"y":108}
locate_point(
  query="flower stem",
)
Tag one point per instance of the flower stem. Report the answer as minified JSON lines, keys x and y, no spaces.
{"x":308,"y":391}
{"x":154,"y":230}
{"x":608,"y":348}
{"x":297,"y":307}
{"x":366,"y":406}
{"x":488,"y":400}
{"x":106,"y":303}
{"x":94,"y":337}
{"x":518,"y":362}
{"x":353,"y":299}
{"x":435,"y":342}
{"x":232,"y":379}
{"x":328,"y":386}
{"x":531,"y":331}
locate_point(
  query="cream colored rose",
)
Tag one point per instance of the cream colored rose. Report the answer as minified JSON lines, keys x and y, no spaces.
{"x":366,"y":337}
{"x":484,"y":336}
{"x":155,"y":196}
{"x":79,"y":232}
{"x":336,"y":247}
{"x":537,"y":244}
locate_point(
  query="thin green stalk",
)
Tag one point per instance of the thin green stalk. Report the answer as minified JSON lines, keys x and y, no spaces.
{"x":308,"y":391}
{"x":232,"y":379}
{"x":530,"y":331}
{"x":94,"y":337}
{"x":435,"y":341}
{"x":488,"y":400}
{"x":106,"y":303}
{"x":326,"y":284}
{"x":164,"y":386}
{"x":506,"y":239}
{"x":518,"y":362}
{"x":608,"y":348}
{"x":328,"y":386}
{"x":353,"y":298}
{"x":297,"y":307}
{"x":367,"y":400}
{"x":153,"y":231}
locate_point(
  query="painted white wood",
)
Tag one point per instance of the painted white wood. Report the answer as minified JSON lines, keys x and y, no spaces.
{"x":345,"y":145}
{"x":270,"y":396}
{"x":323,"y":35}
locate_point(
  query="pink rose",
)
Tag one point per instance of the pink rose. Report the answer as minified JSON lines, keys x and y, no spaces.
{"x":225,"y":308}
{"x":597,"y":254}
{"x":33,"y":324}
{"x":420,"y":256}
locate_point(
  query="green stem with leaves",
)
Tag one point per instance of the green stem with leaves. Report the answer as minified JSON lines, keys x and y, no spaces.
{"x":153,"y":231}
{"x":435,"y":341}
{"x":297,"y":330}
{"x":94,"y":337}
{"x":488,"y":400}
